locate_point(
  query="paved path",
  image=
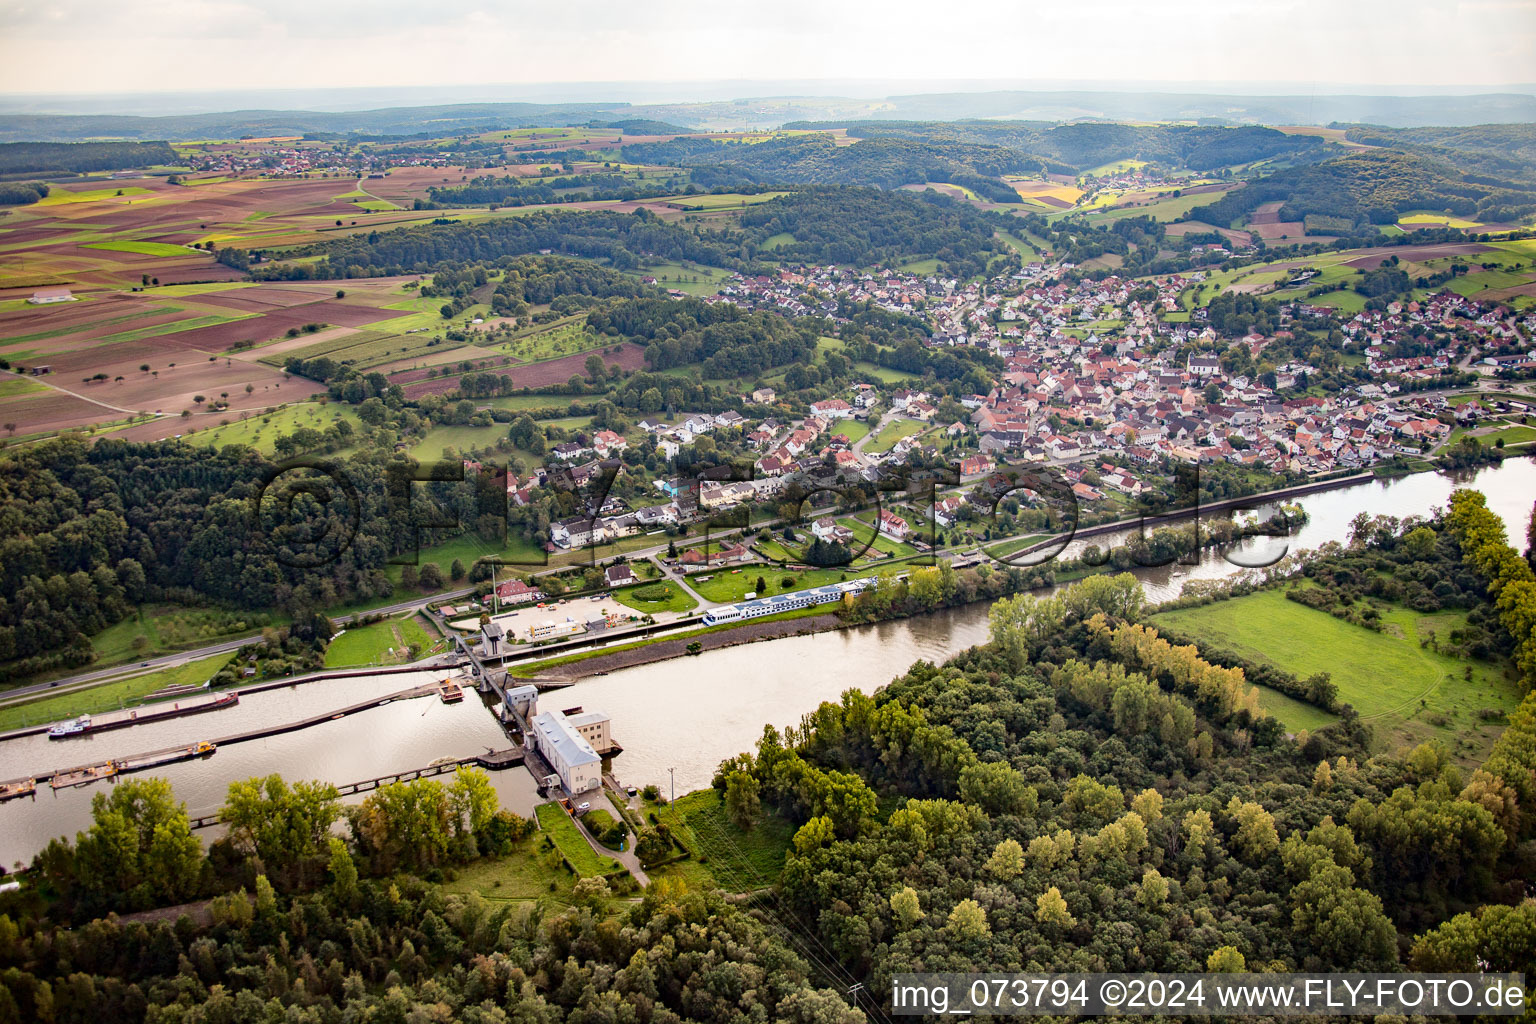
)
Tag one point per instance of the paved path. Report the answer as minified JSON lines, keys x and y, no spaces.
{"x":625,"y":856}
{"x":682,"y":581}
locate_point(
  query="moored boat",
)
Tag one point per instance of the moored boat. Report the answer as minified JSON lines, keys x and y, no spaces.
{"x":21,"y":787}
{"x":74,"y":727}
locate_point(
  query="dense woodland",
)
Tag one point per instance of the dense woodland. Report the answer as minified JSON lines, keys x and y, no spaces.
{"x":1075,"y":148}
{"x":818,"y":160}
{"x":88,"y":531}
{"x":49,"y":157}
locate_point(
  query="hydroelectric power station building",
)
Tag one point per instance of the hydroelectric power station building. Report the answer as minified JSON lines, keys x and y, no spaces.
{"x":786,"y":602}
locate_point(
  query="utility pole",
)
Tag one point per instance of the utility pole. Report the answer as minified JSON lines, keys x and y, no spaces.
{"x":672,"y":772}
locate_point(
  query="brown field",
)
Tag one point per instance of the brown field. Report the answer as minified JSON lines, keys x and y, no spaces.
{"x":1180,"y":228}
{"x":1371,"y":258}
{"x":1266,"y":213}
{"x":51,"y":411}
{"x":76,"y":340}
{"x":1289,"y":230}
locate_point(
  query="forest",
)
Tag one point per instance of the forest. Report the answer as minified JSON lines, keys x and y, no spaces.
{"x":1077,"y":147}
{"x":818,"y":160}
{"x":88,"y":532}
{"x":49,"y":157}
{"x":865,"y":227}
{"x":855,"y":226}
{"x":726,"y":340}
{"x":619,"y":238}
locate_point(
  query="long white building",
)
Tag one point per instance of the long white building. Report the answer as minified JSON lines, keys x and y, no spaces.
{"x":786,"y":602}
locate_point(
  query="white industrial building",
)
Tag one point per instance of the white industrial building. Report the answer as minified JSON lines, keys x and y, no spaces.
{"x":561,"y":743}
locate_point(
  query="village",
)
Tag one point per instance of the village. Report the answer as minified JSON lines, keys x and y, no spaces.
{"x":1098,"y":382}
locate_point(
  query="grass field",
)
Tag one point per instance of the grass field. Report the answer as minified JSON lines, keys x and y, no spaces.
{"x":141,"y":248}
{"x":467,"y":547}
{"x":1406,"y":692}
{"x":530,"y":872}
{"x":676,"y":599}
{"x":63,"y":197}
{"x":691,"y":278}
{"x":550,"y":341}
{"x":853,"y":430}
{"x":893,"y":431}
{"x":379,"y":643}
{"x":883,"y":374}
{"x":737,"y":860}
{"x":108,"y":696}
{"x":729,"y":585}
{"x":10,"y":387}
{"x":164,"y":628}
{"x":261,"y":430}
{"x":569,"y":841}
{"x":723,"y":201}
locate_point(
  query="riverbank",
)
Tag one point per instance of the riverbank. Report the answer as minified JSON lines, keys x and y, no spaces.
{"x":645,"y":652}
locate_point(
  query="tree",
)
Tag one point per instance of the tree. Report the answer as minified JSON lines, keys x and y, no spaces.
{"x":1226,"y":960}
{"x":431,"y":577}
{"x":1051,"y":909}
{"x":906,"y":906}
{"x":814,"y":834}
{"x":343,"y":872}
{"x":1255,"y":837}
{"x":1153,"y":890}
{"x":591,"y":890}
{"x":284,"y":826}
{"x":1007,"y":860}
{"x":742,"y":804}
{"x":653,"y":845}
{"x":456,"y":570}
{"x":472,"y":801}
{"x":140,"y":847}
{"x":967,"y":922}
{"x":997,"y":788}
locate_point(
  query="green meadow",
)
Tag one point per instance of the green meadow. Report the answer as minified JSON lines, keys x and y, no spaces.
{"x":1407,"y":693}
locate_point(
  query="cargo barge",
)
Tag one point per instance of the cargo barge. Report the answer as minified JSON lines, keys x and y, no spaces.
{"x":88,"y":725}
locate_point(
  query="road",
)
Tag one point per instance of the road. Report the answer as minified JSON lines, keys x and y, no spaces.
{"x":83,"y":680}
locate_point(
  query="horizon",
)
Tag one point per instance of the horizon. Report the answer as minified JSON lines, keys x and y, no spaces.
{"x":70,"y":49}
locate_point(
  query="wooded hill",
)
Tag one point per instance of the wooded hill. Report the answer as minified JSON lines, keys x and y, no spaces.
{"x":1074,"y":148}
{"x":46,"y":157}
{"x":1370,"y":187}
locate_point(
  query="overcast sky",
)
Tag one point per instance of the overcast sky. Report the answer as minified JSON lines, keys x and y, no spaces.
{"x":106,"y":46}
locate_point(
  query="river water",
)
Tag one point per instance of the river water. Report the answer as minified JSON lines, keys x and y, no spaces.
{"x":685,"y":715}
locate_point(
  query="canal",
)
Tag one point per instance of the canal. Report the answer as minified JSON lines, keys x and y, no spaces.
{"x":685,"y":715}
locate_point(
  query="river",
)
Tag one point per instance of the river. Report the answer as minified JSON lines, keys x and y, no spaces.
{"x":685,"y":715}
